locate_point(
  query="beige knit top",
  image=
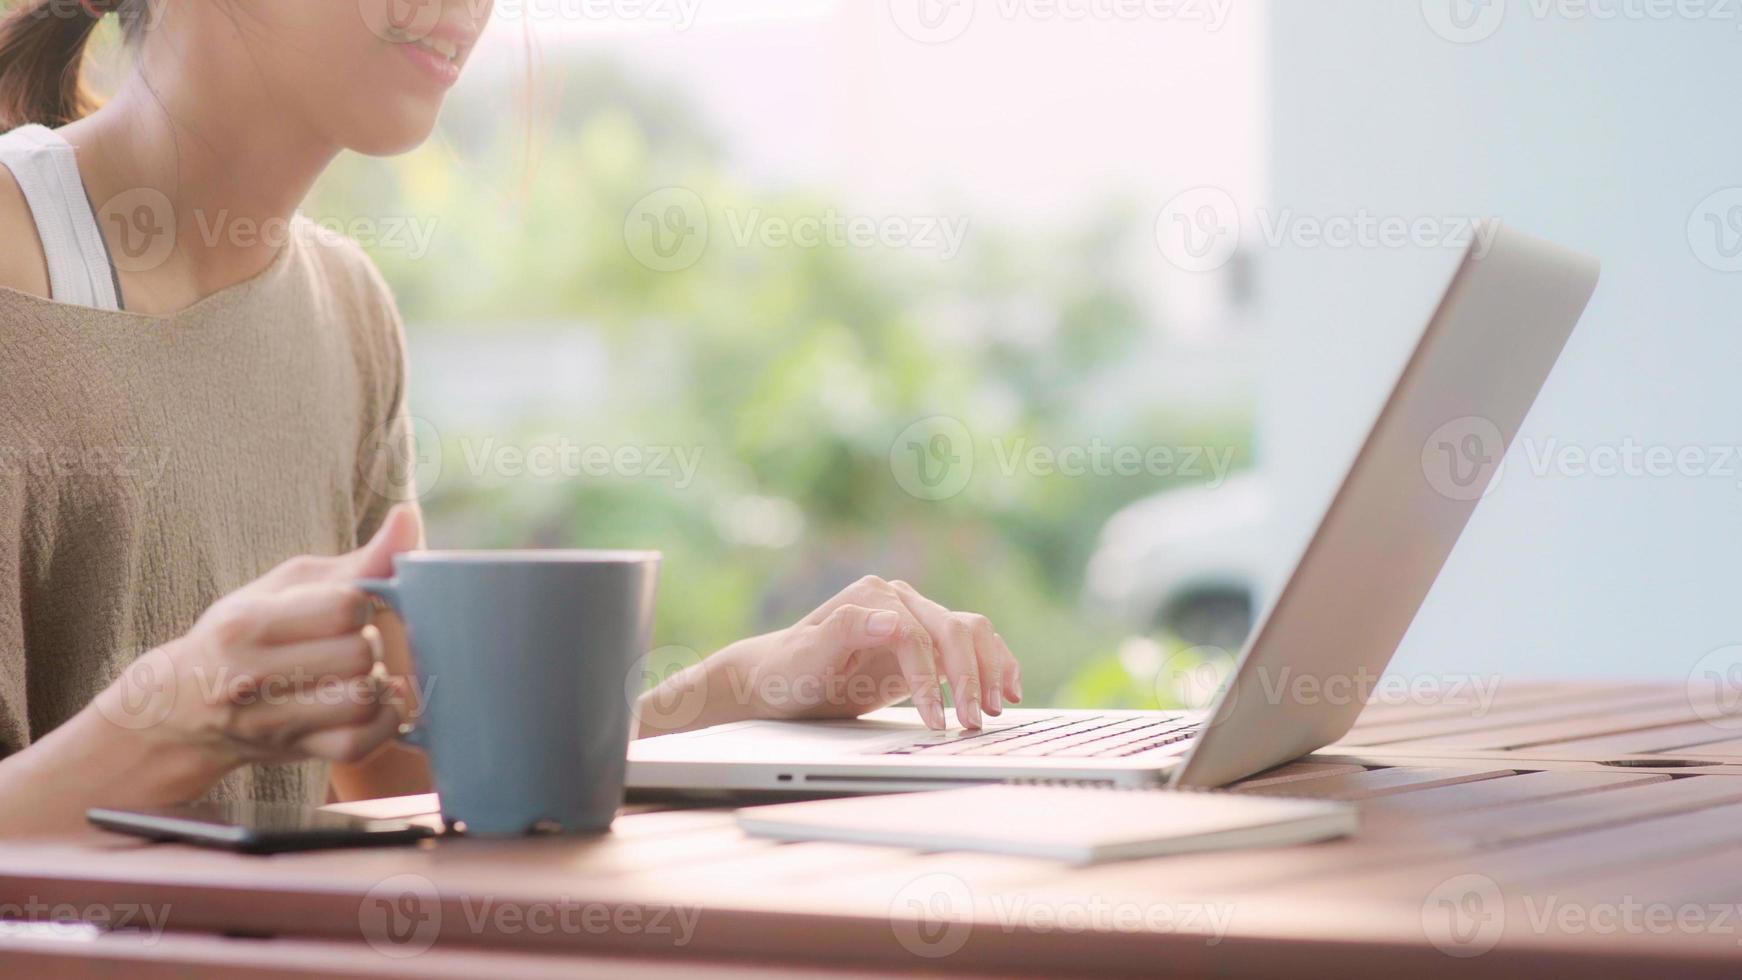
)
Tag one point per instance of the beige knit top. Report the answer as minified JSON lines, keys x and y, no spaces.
{"x":149,"y":465}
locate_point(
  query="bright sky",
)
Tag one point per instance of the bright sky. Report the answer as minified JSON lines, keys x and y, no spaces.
{"x":1027,"y":108}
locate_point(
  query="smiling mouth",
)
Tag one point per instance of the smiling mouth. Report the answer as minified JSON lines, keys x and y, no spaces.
{"x":439,"y":47}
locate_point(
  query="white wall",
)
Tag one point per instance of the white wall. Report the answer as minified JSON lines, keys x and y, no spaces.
{"x":1605,"y":134}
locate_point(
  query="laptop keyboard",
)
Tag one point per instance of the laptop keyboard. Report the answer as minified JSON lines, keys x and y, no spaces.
{"x":1093,"y":737}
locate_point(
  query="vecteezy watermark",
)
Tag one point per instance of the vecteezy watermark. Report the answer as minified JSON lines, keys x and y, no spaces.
{"x":1201,"y":229}
{"x":1464,"y":916}
{"x":1468,"y":915}
{"x":137,"y":14}
{"x":676,"y":15}
{"x":405,"y":458}
{"x":1464,"y":21}
{"x":147,"y":692}
{"x":670,"y":229}
{"x":1715,"y":230}
{"x":559,"y":458}
{"x":1202,"y":676}
{"x":936,"y":915}
{"x":137,"y":918}
{"x":1471,"y":21}
{"x":1629,"y":458}
{"x":408,"y":21}
{"x":667,"y":230}
{"x":941,"y":21}
{"x":1465,"y":458}
{"x":404,"y":915}
{"x":934,"y":459}
{"x":143,"y":464}
{"x":940,"y":235}
{"x":144,"y":226}
{"x":670,"y":688}
{"x":667,"y":689}
{"x":1714,"y":687}
{"x":1630,"y":916}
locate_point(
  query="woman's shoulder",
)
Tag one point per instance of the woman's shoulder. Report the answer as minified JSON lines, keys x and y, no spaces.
{"x":23,"y":269}
{"x":361,"y":295}
{"x":342,"y":262}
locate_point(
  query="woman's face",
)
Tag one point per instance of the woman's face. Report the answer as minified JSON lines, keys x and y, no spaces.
{"x":367,"y":75}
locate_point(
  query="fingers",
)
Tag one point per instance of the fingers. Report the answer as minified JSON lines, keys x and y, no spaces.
{"x":1012,"y":678}
{"x":401,"y":531}
{"x":916,"y":656}
{"x":353,"y":743}
{"x":916,"y":651}
{"x":973,"y":662}
{"x":852,"y":628}
{"x":339,"y":657}
{"x":313,"y":611}
{"x":285,"y":717}
{"x":1000,"y":671}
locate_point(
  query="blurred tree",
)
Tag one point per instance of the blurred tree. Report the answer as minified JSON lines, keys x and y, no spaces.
{"x":790,"y":369}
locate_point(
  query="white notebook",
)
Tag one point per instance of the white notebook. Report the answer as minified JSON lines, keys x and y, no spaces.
{"x":1082,"y":825}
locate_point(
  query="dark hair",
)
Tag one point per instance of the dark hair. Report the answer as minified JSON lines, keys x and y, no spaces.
{"x":42,"y":52}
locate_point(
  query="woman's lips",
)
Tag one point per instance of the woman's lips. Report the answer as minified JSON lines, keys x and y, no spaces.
{"x":440,"y":66}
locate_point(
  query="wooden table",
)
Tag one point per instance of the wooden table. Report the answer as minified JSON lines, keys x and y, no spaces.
{"x":1563,"y":829}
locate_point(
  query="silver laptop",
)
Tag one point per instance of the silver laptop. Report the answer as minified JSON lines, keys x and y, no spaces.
{"x":1356,"y":587}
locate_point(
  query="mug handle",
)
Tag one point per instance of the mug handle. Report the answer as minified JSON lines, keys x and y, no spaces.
{"x":387,"y":590}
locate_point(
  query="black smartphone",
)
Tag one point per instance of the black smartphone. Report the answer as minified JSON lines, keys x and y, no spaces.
{"x":258,"y":828}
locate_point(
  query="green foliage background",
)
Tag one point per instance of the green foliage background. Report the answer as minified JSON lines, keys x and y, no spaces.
{"x":791,"y":369}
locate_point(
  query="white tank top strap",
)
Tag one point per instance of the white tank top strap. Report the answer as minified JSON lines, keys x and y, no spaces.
{"x":47,"y":171}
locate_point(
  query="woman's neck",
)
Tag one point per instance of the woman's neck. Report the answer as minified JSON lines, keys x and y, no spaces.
{"x":194,"y":191}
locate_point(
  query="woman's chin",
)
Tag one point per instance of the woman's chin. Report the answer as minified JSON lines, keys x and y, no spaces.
{"x":385,"y":137}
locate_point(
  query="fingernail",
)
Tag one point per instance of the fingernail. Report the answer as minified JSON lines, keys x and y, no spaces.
{"x":995,"y":702}
{"x":933,"y":713}
{"x":969,"y":713}
{"x":882,"y":623}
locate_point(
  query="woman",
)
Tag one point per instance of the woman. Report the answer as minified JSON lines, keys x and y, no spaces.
{"x":195,"y":389}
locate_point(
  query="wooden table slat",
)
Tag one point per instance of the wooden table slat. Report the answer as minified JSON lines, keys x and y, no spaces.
{"x":1372,"y":783}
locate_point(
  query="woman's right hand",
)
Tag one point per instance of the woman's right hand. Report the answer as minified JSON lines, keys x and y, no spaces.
{"x":279,"y":670}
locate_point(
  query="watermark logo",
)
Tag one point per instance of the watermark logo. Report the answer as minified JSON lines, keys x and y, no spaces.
{"x":1198,"y":230}
{"x":141,"y":228}
{"x":142,"y":697}
{"x":1463,"y":459}
{"x":939,"y":235}
{"x":1464,"y":916}
{"x":932,"y":21}
{"x":401,"y":916}
{"x":1464,"y":21}
{"x":932,"y":915}
{"x":1714,"y":688}
{"x":34,"y":918}
{"x":667,"y":689}
{"x":941,"y":21}
{"x":1198,"y":677}
{"x":1201,"y":229}
{"x":400,"y":21}
{"x":402,"y":458}
{"x":1715,"y":230}
{"x":667,"y":230}
{"x":933,"y":459}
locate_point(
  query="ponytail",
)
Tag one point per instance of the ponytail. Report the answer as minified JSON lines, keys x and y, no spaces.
{"x":42,"y":51}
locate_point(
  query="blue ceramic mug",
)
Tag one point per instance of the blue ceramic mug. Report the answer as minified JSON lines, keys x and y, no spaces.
{"x":520,"y":659}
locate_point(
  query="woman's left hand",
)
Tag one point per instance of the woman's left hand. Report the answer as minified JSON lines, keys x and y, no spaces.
{"x":872,"y":645}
